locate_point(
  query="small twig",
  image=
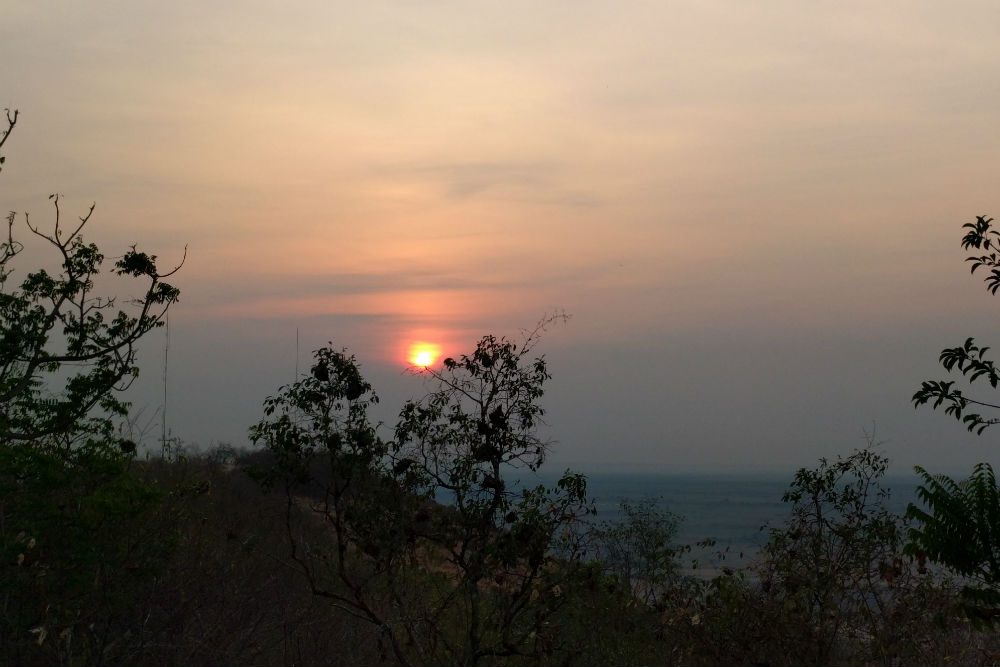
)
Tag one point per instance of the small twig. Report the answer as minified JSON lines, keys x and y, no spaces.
{"x":11,"y":122}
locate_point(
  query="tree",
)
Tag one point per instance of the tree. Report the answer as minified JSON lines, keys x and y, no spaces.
{"x":961,"y":528}
{"x":639,"y":550}
{"x":53,"y":323}
{"x":835,"y":577}
{"x":432,"y":538}
{"x":832,"y":586}
{"x":71,"y":528}
{"x":825,"y":561}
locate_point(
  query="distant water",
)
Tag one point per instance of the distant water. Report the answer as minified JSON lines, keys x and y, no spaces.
{"x":728,"y":508}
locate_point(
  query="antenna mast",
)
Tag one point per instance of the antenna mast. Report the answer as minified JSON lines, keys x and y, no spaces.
{"x":163,"y":415}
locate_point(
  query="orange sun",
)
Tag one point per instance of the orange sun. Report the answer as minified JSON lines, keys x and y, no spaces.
{"x":424,"y":354}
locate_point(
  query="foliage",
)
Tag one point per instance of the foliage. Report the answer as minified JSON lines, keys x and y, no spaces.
{"x":78,"y":543}
{"x":56,"y":333}
{"x":831,"y":586}
{"x":76,"y":533}
{"x":53,"y":324}
{"x":431,"y":539}
{"x":961,"y":528}
{"x":969,"y":359}
{"x":838,"y":563}
{"x":638,"y":550}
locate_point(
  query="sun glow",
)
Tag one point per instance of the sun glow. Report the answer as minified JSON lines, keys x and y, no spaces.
{"x":424,"y":354}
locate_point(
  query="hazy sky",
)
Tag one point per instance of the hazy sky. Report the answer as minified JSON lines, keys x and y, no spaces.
{"x":751,"y":210}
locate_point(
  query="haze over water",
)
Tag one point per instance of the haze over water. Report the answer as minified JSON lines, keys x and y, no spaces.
{"x":736,"y":511}
{"x":751,"y":210}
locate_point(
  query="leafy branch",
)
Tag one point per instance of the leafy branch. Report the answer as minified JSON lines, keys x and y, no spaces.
{"x":969,"y":359}
{"x":50,"y":323}
{"x":961,"y":527}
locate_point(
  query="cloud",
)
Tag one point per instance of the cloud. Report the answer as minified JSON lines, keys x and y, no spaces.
{"x":540,"y":182}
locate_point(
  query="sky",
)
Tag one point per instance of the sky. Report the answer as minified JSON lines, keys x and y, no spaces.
{"x":751,"y":211}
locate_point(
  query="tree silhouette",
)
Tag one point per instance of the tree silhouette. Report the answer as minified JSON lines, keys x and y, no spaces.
{"x":969,"y":359}
{"x":431,"y":537}
{"x":74,"y":531}
{"x":961,"y":526}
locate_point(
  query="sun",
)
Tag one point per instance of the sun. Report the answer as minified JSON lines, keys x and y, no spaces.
{"x":424,"y":354}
